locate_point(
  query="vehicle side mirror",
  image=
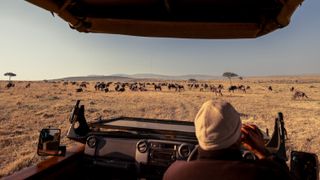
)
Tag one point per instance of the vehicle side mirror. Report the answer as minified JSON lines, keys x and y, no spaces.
{"x":304,"y":165}
{"x":49,"y":143}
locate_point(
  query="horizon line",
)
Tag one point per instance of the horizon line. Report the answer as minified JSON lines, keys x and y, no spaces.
{"x":123,"y":75}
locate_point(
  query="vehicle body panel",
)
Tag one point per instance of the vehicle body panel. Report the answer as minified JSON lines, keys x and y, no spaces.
{"x":207,"y":19}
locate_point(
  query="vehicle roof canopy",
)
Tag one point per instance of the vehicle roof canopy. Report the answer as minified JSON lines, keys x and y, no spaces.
{"x":208,"y":19}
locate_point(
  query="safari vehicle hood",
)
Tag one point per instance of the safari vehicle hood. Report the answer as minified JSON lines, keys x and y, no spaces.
{"x":214,"y":19}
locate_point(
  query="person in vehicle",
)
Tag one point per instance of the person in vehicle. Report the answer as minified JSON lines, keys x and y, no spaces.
{"x":222,"y":137}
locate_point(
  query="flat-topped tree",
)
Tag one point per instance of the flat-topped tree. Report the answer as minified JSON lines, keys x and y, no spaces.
{"x":192,"y":80}
{"x":10,"y":74}
{"x":230,"y":75}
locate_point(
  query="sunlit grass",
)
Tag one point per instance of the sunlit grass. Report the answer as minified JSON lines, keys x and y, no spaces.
{"x":24,"y":112}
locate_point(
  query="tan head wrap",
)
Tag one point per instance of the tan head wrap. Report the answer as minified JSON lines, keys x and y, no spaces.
{"x":218,"y":125}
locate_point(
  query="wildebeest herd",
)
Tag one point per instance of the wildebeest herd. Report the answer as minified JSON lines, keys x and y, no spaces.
{"x":160,"y":86}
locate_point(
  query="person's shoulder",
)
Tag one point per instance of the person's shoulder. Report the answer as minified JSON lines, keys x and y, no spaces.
{"x":177,"y":165}
{"x":204,"y":169}
{"x":273,"y":168}
{"x":174,"y":169}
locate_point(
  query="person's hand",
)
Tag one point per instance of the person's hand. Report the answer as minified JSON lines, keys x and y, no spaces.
{"x":252,"y":140}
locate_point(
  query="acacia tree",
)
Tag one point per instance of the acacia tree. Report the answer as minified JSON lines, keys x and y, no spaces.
{"x":10,"y":74}
{"x":192,"y":80}
{"x":230,"y":75}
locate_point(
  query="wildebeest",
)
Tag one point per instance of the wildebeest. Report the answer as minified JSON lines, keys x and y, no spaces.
{"x":243,"y":88}
{"x":216,"y":90}
{"x":270,"y":88}
{"x":79,"y":90}
{"x":28,"y":85}
{"x":193,"y":85}
{"x":100,"y":86}
{"x":10,"y":85}
{"x":133,"y":87}
{"x":142,"y":88}
{"x":240,"y":87}
{"x":157,"y":87}
{"x":232,"y":88}
{"x":292,"y":89}
{"x":170,"y":86}
{"x":83,"y":85}
{"x":120,"y":88}
{"x":190,"y":86}
{"x":205,"y":85}
{"x":177,"y":87}
{"x":299,"y":94}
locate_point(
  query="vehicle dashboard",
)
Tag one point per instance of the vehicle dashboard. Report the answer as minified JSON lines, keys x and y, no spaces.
{"x":149,"y":158}
{"x":141,"y":147}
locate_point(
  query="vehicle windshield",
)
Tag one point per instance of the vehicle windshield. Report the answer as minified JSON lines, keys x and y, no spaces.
{"x":150,"y":124}
{"x":46,"y":66}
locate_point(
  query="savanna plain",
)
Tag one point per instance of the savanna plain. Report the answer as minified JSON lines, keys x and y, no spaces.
{"x":25,"y":111}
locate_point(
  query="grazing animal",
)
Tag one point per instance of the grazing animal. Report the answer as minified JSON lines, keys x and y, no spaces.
{"x":179,"y":87}
{"x":83,"y":85}
{"x":84,"y":82}
{"x":79,"y":90}
{"x":217,"y":91}
{"x":100,"y":86}
{"x":243,"y":88}
{"x":292,"y":89}
{"x":28,"y":85}
{"x":120,"y":88}
{"x":232,"y":88}
{"x":157,"y":87}
{"x":193,"y":85}
{"x":10,"y":85}
{"x":172,"y":86}
{"x":299,"y":94}
{"x":142,"y":88}
{"x":133,"y":87}
{"x":270,"y":88}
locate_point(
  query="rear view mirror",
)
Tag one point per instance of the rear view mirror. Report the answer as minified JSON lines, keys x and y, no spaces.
{"x":304,"y":165}
{"x":49,"y":143}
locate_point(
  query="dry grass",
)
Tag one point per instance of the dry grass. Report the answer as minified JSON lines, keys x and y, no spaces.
{"x":24,"y":112}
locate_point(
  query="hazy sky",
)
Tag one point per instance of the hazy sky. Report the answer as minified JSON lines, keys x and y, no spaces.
{"x":37,"y":46}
